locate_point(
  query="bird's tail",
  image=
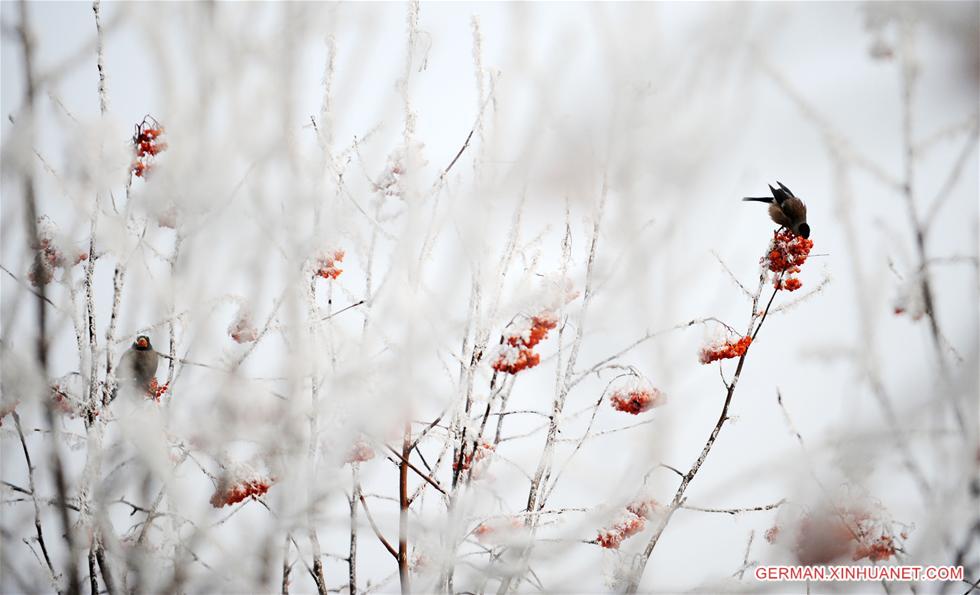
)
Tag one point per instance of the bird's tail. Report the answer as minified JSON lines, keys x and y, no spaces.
{"x":758,"y":198}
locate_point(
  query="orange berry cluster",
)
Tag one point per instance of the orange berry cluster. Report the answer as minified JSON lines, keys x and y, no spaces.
{"x":637,"y":400}
{"x":726,"y":350}
{"x":147,"y":143}
{"x":326,"y":265}
{"x":787,"y":253}
{"x":516,"y":353}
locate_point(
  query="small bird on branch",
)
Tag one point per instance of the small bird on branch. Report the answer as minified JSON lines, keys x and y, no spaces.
{"x":785,"y":209}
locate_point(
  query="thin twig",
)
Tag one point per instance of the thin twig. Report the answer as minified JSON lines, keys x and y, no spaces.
{"x":734,"y":511}
{"x":403,"y":503}
{"x":37,"y":294}
{"x":377,"y":532}
{"x":419,"y":472}
{"x":37,"y":508}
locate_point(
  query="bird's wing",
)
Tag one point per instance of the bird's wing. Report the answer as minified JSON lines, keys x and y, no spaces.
{"x":778,"y":194}
{"x":778,"y":216}
{"x":787,"y":190}
{"x":124,"y":370}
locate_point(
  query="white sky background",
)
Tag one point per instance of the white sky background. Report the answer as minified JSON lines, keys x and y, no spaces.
{"x":671,"y":102}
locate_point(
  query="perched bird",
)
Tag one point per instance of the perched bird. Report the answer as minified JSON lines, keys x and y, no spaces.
{"x":785,"y":209}
{"x":138,"y":366}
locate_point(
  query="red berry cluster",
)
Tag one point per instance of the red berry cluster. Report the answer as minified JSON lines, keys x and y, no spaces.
{"x":515,"y":353}
{"x":628,"y":525}
{"x":791,"y":284}
{"x":147,"y":144}
{"x":232,"y":493}
{"x":821,"y":537}
{"x":156,"y":390}
{"x":63,"y":402}
{"x":630,"y":522}
{"x":241,"y":329}
{"x":360,"y":452}
{"x":882,"y":548}
{"x":483,"y":451}
{"x":727,"y":350}
{"x":498,"y":530}
{"x":49,"y":256}
{"x":644,"y":508}
{"x":787,"y":253}
{"x":637,"y":400}
{"x":772,"y":534}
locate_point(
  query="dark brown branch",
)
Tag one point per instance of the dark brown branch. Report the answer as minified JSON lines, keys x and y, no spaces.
{"x":16,"y":488}
{"x":33,"y":493}
{"x":39,"y":294}
{"x":41,"y":344}
{"x":100,"y":556}
{"x":459,"y":154}
{"x":286,"y":566}
{"x":352,"y":553}
{"x":377,"y":532}
{"x":93,"y":576}
{"x":419,"y":472}
{"x":342,"y":310}
{"x":403,"y":502}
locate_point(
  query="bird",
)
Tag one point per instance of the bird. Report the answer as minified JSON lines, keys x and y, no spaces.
{"x":785,"y":209}
{"x":138,"y":366}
